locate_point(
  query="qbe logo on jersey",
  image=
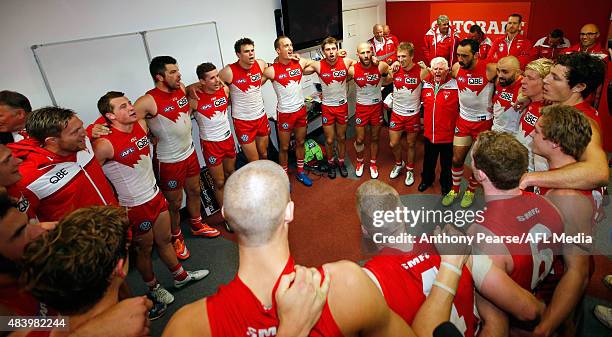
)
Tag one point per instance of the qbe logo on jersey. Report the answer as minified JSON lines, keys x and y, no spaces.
{"x":294,"y":72}
{"x":219,"y":102}
{"x":339,"y":73}
{"x":255,"y":78}
{"x":530,"y":118}
{"x":410,"y":80}
{"x":142,"y":143}
{"x":373,"y":77}
{"x":475,"y":81}
{"x":182,"y":102}
{"x":506,"y":96}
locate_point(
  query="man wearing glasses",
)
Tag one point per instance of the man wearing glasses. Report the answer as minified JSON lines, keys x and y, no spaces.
{"x":589,"y":36}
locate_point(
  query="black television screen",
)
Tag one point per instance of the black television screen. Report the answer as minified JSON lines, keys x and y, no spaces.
{"x":308,"y":22}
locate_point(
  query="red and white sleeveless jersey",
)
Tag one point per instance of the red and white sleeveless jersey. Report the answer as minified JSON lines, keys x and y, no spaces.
{"x":475,"y":93}
{"x":211,"y":116}
{"x":245,"y":89}
{"x":333,"y":82}
{"x":131,"y":170}
{"x":368,"y":82}
{"x":589,"y":111}
{"x":235,"y":311}
{"x":288,"y":86}
{"x":523,"y":135}
{"x":407,"y":91}
{"x":406,"y":281}
{"x":171,"y":125}
{"x":505,"y":117}
{"x":533,"y":216}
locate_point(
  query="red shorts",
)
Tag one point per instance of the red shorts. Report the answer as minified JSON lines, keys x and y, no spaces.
{"x":465,"y":128}
{"x":143,"y":217}
{"x":215,"y":152}
{"x":291,"y":120}
{"x":368,"y":114}
{"x":410,"y":124}
{"x":172,"y":175}
{"x":246,"y":131}
{"x":334,"y":114}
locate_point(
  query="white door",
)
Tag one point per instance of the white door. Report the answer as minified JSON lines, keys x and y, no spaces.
{"x":357,"y":26}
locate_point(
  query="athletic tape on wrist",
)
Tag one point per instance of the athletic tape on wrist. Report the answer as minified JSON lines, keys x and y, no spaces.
{"x":453,"y":268}
{"x":445,"y":287}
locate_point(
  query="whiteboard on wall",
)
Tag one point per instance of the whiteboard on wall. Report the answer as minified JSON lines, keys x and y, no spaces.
{"x":189,"y":45}
{"x":77,"y":73}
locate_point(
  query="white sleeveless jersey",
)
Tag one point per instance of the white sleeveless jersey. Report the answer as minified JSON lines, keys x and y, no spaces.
{"x":211,"y":116}
{"x":288,"y":86}
{"x":171,"y":125}
{"x":367,"y":85}
{"x":131,"y":170}
{"x":475,"y":93}
{"x":333,"y":82}
{"x":407,"y":87}
{"x":245,"y":90}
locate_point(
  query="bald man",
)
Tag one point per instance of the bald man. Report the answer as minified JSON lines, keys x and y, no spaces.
{"x":387,"y":34}
{"x":384,"y":48}
{"x":258,"y":207}
{"x":589,"y":36}
{"x":368,"y":109}
{"x":505,"y":117}
{"x":441,"y":41}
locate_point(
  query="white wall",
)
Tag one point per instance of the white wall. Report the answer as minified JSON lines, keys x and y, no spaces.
{"x":27,"y":22}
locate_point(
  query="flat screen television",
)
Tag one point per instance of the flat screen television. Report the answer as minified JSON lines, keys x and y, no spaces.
{"x":308,"y":22}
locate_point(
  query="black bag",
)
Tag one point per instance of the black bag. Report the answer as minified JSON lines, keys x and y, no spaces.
{"x":208,"y":200}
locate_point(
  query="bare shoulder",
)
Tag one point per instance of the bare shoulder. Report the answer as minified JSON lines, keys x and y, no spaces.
{"x":226,"y":74}
{"x":269,"y":72}
{"x":262,"y":64}
{"x":190,"y":320}
{"x":145,"y":105}
{"x":103,"y":149}
{"x":562,"y":192}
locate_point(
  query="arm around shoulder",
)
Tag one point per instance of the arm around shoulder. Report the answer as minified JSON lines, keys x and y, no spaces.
{"x":145,"y":106}
{"x":268,"y":73}
{"x":590,"y":172}
{"x":103,"y":150}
